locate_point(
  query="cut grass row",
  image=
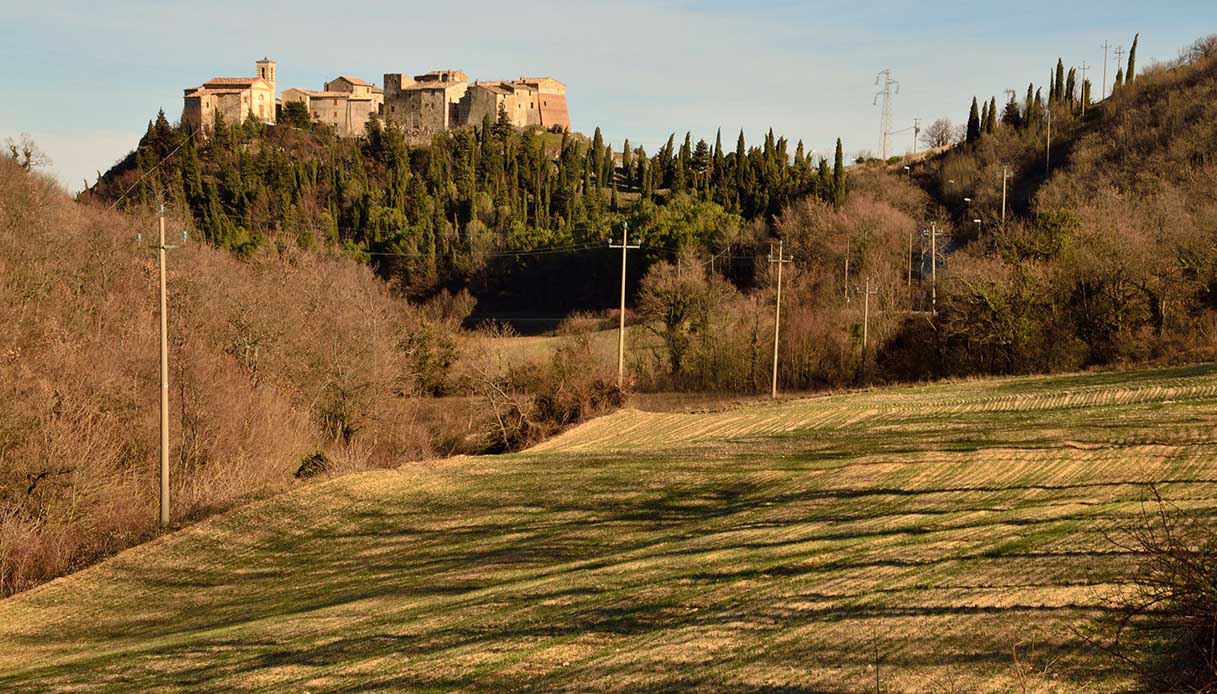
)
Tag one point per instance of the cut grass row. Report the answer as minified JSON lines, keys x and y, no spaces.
{"x":927,"y":531}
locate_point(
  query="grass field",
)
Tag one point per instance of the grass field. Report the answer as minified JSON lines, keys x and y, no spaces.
{"x":784,"y":547}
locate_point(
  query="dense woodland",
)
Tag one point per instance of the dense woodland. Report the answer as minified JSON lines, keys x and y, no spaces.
{"x":519,"y":217}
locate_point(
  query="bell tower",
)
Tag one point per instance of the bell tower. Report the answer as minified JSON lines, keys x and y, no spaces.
{"x":266,"y":70}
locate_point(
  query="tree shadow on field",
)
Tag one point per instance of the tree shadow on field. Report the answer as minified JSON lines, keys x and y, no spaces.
{"x":535,"y":550}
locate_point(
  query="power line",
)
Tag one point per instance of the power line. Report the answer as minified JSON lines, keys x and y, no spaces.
{"x":120,"y":198}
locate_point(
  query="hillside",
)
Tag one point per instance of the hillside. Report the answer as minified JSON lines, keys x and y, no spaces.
{"x":275,"y":359}
{"x":520,"y":217}
{"x":936,"y":532}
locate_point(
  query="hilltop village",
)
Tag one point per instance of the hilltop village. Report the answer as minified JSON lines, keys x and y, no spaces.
{"x":421,"y":105}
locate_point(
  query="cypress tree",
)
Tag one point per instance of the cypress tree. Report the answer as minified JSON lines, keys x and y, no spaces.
{"x":716,"y":164}
{"x":1119,"y":81}
{"x":991,"y":124}
{"x":1029,"y":114}
{"x":984,"y":116}
{"x":1059,"y":95}
{"x":1071,"y":86}
{"x":838,"y":177}
{"x":627,"y":164}
{"x":1130,"y":74}
{"x":973,"y":133}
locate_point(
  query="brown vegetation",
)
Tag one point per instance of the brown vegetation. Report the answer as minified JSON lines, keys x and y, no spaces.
{"x":273,"y":361}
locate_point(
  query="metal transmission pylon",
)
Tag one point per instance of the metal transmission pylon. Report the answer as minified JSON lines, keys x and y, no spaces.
{"x":885,"y":79}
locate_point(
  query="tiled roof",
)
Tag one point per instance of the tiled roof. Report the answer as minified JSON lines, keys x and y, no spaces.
{"x":203,"y":91}
{"x":314,"y":94}
{"x":353,"y":80}
{"x":232,"y":81}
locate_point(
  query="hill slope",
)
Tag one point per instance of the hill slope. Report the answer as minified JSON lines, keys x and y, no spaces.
{"x":766,"y":548}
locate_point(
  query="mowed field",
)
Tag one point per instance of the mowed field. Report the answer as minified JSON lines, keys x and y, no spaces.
{"x":928,"y":531}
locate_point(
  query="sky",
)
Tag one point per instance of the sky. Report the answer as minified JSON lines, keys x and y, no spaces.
{"x":84,"y":78}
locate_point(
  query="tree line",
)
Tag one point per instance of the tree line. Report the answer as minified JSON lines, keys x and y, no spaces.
{"x":467,"y":209}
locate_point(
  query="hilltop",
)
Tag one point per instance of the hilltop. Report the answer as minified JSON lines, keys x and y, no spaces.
{"x":951,"y":536}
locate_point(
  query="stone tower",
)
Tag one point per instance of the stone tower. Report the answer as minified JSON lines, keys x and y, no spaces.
{"x":266,"y":70}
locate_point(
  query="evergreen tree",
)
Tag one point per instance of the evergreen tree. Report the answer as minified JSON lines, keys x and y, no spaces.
{"x":991,"y":123}
{"x":824,"y":181}
{"x":1130,"y":74}
{"x":1115,"y":87}
{"x":838,"y":177}
{"x":1059,"y":95}
{"x":1071,"y":87}
{"x":1029,"y":113}
{"x":627,"y":164}
{"x":1012,"y":117}
{"x":973,"y":132}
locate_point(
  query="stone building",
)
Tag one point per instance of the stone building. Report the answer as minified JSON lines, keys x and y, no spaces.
{"x":539,"y":101}
{"x":234,"y":98}
{"x":422,"y":105}
{"x":346,"y":104}
{"x":426,"y":104}
{"x":444,"y":99}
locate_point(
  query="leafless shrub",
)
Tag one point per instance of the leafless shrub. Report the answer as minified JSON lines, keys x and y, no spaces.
{"x":1164,"y":626}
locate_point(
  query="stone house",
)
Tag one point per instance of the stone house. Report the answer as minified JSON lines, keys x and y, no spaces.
{"x":346,"y":104}
{"x":234,"y":98}
{"x":426,"y":104}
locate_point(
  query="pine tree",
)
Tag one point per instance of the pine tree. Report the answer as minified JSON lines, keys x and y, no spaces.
{"x":838,"y":177}
{"x":973,"y":133}
{"x":1130,"y":74}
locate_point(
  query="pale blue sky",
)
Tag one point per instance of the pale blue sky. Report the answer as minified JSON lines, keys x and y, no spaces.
{"x":83,"y":78}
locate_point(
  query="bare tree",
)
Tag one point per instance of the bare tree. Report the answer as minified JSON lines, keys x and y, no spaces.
{"x":26,"y":153}
{"x":939,"y":133}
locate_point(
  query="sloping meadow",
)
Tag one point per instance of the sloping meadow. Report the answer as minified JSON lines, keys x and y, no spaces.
{"x":952,"y":537}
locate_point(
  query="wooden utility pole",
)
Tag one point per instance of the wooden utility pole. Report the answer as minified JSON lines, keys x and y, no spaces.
{"x":866,"y":325}
{"x":164,"y":496}
{"x":933,"y":268}
{"x":846,"y":278}
{"x":625,"y":246}
{"x":777,"y":315}
{"x":1005,"y":176}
